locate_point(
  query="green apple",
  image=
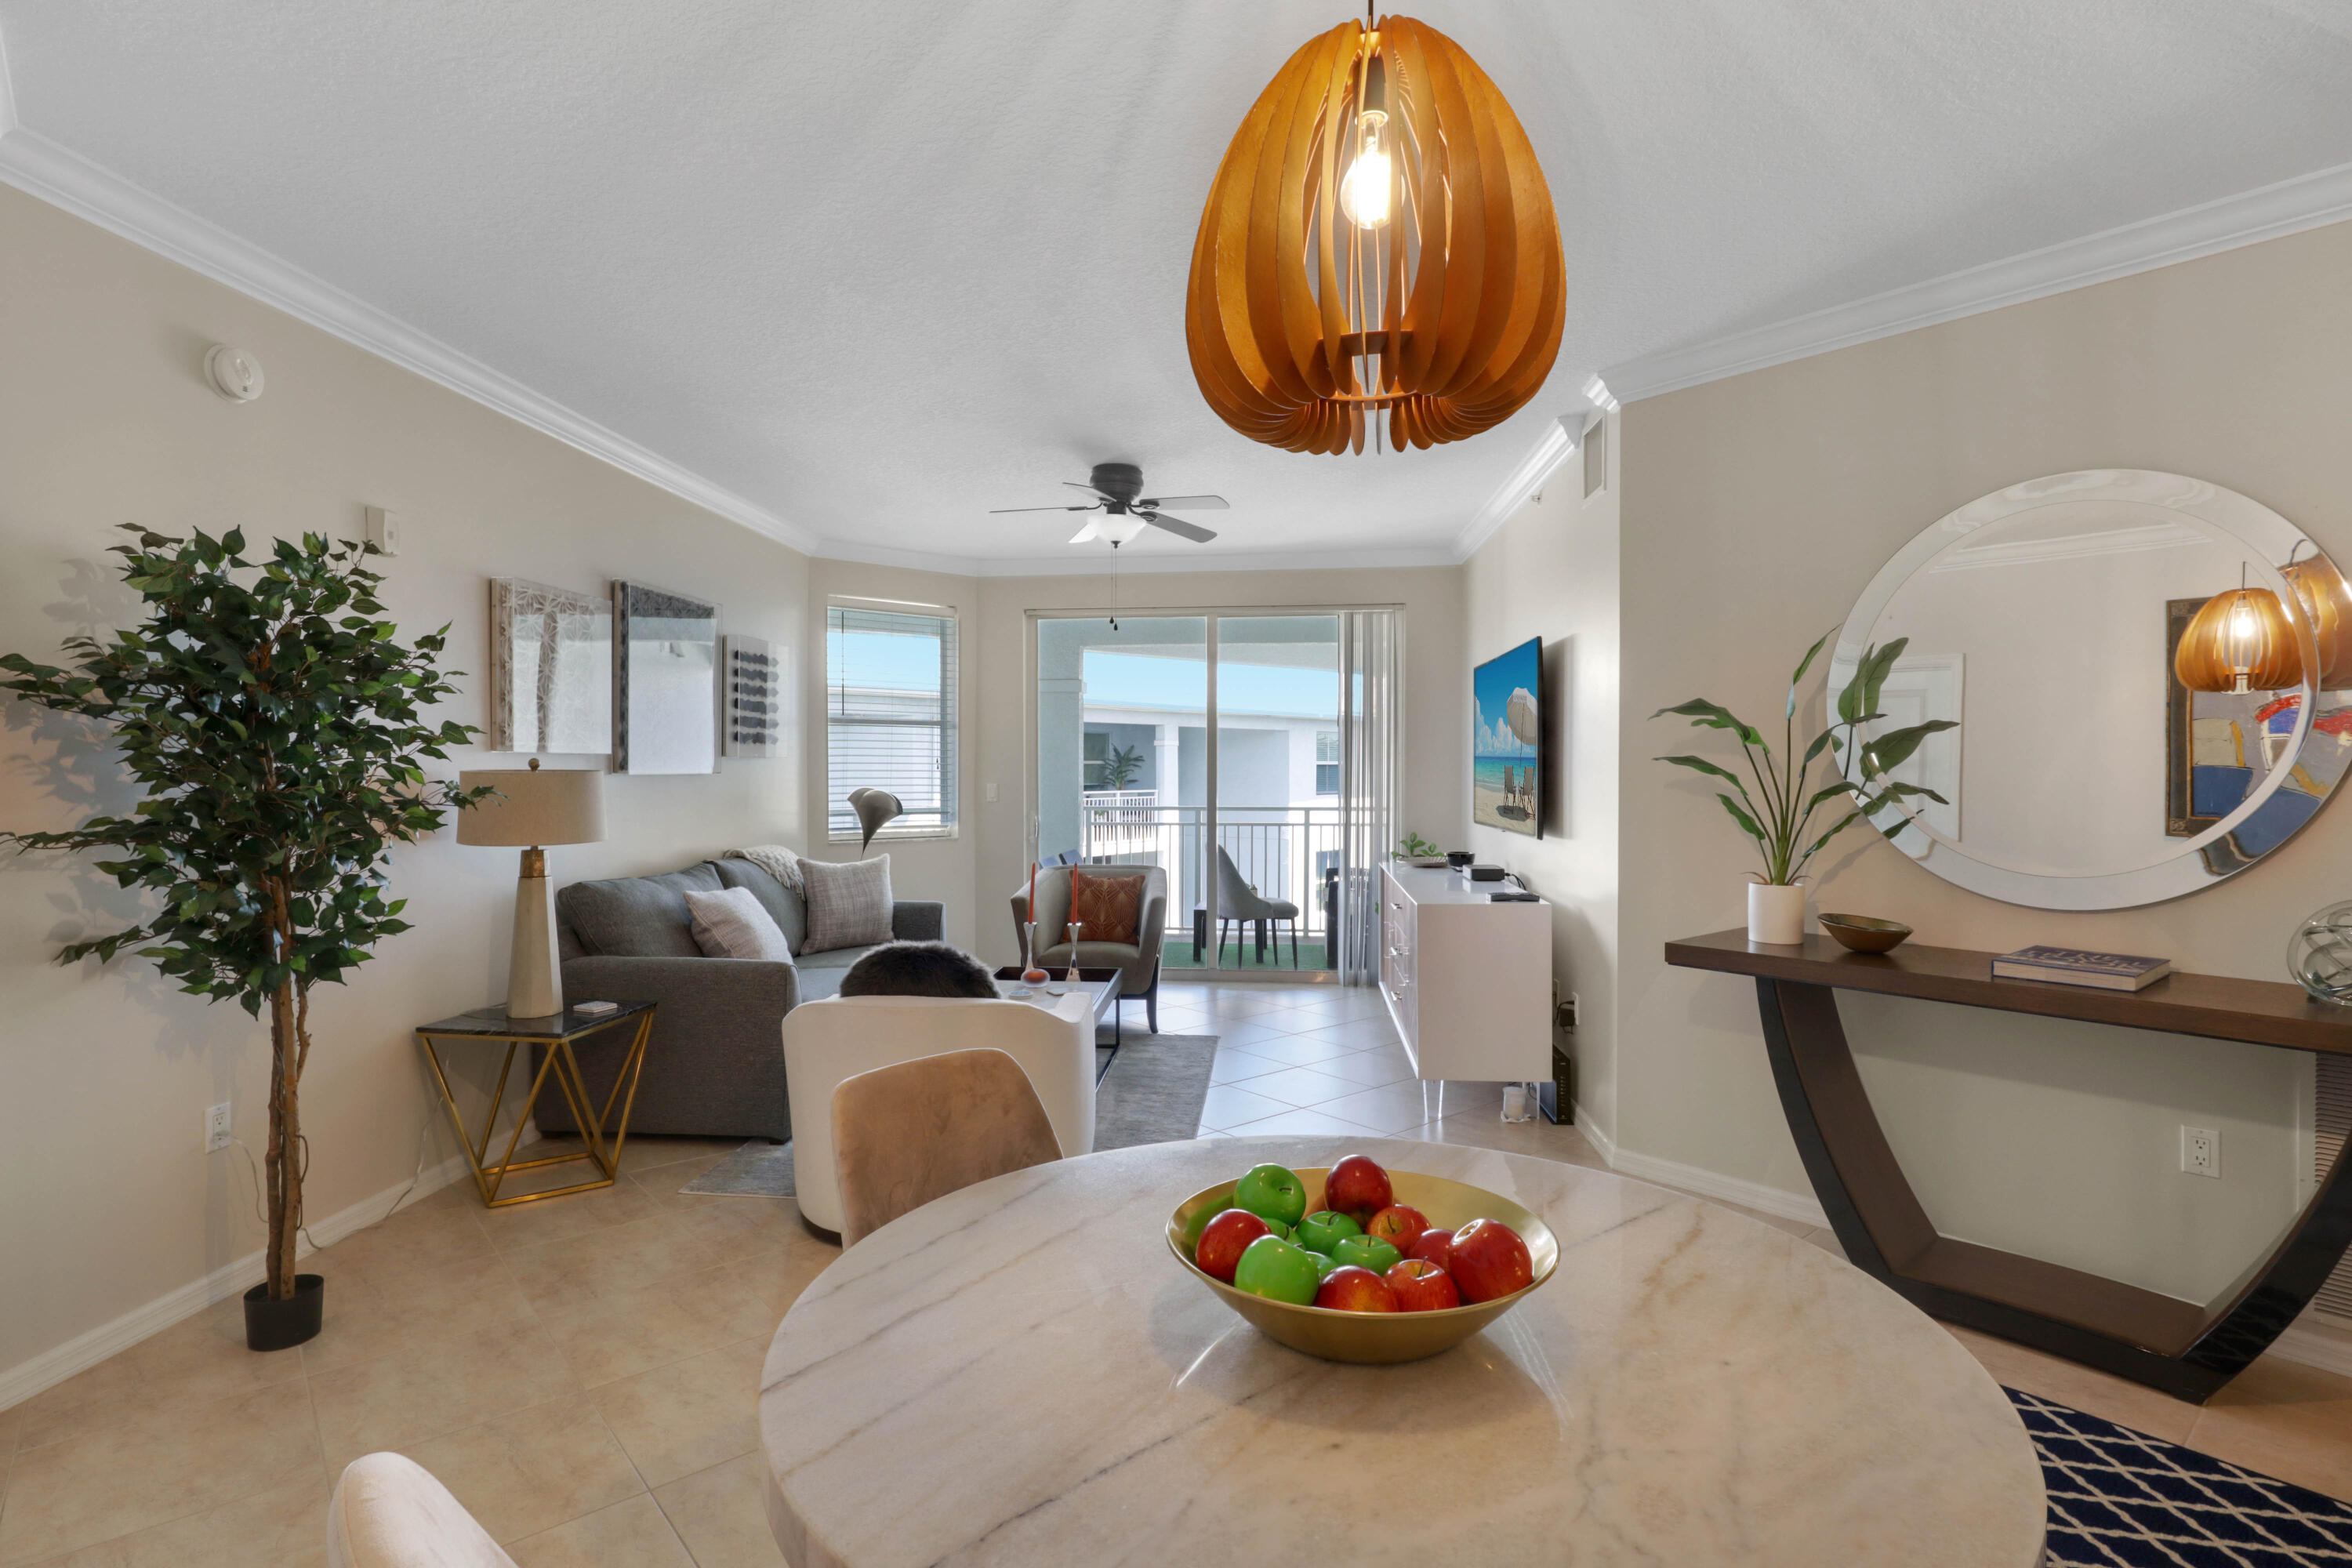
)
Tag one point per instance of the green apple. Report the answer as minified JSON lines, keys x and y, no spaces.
{"x":1325,"y":1228}
{"x":1324,"y":1264}
{"x":1273,"y":1193}
{"x":1274,"y":1269}
{"x":1363,"y":1251}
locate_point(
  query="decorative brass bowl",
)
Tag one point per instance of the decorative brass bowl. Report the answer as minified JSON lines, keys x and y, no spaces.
{"x":1865,"y":934}
{"x":1372,"y":1337}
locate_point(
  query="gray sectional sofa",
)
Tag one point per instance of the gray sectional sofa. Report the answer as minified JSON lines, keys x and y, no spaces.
{"x":716,"y":1065}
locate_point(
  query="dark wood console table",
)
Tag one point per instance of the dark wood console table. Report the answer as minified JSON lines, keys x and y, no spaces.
{"x":2188,"y":1351}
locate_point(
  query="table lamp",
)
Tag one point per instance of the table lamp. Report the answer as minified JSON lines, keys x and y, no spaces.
{"x":531,"y":809}
{"x":874,"y":807}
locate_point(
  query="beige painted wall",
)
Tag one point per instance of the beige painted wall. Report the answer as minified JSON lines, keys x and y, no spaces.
{"x":933,"y":868}
{"x":1551,"y":571}
{"x":1437,"y":721}
{"x":107,"y":1200}
{"x":1755,"y":509}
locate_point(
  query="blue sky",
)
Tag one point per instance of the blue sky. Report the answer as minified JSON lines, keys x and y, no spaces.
{"x":1495,"y":680}
{"x":1140,"y":681}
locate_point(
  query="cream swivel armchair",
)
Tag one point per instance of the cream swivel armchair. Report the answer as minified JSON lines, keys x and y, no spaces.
{"x":1138,"y":962}
{"x":840,"y":1037}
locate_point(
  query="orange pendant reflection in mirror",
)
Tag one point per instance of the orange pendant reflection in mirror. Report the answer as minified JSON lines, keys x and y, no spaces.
{"x":1379,"y":237}
{"x":2243,"y":640}
{"x":2326,"y":600}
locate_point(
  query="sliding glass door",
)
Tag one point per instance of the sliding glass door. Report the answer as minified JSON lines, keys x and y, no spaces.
{"x":1211,"y":746}
{"x":1277,"y":787}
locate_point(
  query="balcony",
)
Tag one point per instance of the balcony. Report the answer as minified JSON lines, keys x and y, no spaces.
{"x":1285,"y":852}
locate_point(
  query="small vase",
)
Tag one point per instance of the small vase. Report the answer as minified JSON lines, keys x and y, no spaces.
{"x":1032,"y":974}
{"x":1776,"y":913}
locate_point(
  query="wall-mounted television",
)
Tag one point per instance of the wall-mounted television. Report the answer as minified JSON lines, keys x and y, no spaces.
{"x":1507,"y":760}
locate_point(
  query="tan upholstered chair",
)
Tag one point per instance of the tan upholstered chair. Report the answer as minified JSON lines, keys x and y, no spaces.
{"x":828,"y":1041}
{"x":1137,"y":962}
{"x":389,"y":1512}
{"x":904,"y":1135}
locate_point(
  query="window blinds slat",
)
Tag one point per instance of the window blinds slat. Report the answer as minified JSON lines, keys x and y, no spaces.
{"x":890,"y":716}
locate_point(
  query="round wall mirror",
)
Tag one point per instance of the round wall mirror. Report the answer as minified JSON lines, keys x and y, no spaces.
{"x":2151,"y":675}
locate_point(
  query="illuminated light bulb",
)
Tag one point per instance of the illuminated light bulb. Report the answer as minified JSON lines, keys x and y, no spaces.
{"x":1366,"y":189}
{"x":2245,"y":628}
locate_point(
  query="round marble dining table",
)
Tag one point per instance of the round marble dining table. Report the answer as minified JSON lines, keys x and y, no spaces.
{"x":1021,"y":1373}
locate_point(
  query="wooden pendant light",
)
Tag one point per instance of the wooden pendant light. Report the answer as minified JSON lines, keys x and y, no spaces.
{"x":1379,"y":237}
{"x":2242,"y":640}
{"x":2326,"y":602}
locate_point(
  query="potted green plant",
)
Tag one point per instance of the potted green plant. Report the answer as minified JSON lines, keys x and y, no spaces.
{"x":1124,"y":762}
{"x":273,"y":719}
{"x":1781,"y":814}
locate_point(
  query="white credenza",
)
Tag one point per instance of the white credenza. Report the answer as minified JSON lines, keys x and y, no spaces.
{"x":1467,"y":981}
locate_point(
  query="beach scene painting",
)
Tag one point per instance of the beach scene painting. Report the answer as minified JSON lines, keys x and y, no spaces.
{"x":1506,"y":753}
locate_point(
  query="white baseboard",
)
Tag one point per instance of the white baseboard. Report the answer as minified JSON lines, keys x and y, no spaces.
{"x":1602,"y":1145}
{"x":1708,"y":1183}
{"x":51,"y":1367}
{"x":2316,"y":1344}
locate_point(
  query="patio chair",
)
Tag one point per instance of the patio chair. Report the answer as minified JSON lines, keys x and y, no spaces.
{"x":1237,"y":900}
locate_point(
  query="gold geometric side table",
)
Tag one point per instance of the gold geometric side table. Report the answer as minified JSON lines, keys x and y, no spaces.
{"x":556,"y":1032}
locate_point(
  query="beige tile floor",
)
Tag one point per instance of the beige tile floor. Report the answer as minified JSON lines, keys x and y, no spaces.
{"x":582,"y":1373}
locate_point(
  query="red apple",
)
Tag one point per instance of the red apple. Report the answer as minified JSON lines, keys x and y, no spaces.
{"x":1421,"y":1286}
{"x":1223,"y":1240}
{"x":1489,"y":1260}
{"x":1349,"y":1289}
{"x":1433,"y":1245}
{"x":1357,"y":1188}
{"x":1399,"y":1226}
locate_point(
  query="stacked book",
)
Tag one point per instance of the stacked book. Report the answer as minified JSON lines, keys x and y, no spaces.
{"x":2079,"y":966}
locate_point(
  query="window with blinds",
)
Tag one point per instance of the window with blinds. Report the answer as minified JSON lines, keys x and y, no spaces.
{"x":890,"y":716}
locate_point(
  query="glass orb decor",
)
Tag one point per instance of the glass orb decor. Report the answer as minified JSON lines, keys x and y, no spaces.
{"x":2320,"y":954}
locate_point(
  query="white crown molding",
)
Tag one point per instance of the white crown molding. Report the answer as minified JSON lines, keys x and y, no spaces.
{"x":38,"y":166}
{"x":1090,"y":562}
{"x":2289,"y":206}
{"x":2069,"y":547}
{"x":1559,"y":438}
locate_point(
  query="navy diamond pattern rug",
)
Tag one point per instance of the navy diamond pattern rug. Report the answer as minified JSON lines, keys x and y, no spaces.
{"x":2121,"y":1499}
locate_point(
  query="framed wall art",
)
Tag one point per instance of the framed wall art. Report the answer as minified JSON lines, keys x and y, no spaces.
{"x":551,"y":669}
{"x":754,"y":704}
{"x":664,"y":682}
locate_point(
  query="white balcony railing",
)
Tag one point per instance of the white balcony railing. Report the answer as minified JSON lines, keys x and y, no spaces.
{"x":1285,"y":852}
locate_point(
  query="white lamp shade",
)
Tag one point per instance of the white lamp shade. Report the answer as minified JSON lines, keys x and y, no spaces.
{"x":533,"y":806}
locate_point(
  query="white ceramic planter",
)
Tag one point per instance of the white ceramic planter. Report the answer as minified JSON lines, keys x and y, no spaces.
{"x":1776,"y":914}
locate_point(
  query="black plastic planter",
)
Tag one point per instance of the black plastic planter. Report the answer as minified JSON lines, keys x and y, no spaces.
{"x":281,"y":1325}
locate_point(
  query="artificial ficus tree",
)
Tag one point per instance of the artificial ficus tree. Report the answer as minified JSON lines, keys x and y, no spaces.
{"x":274,"y":721}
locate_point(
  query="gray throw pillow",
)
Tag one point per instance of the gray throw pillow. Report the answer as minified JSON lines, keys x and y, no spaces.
{"x":848,"y":902}
{"x":731,"y":923}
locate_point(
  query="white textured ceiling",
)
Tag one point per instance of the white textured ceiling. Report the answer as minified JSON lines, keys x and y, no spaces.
{"x":879,"y":266}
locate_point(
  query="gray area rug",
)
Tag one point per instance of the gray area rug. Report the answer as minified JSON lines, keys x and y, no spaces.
{"x":1150,"y":1091}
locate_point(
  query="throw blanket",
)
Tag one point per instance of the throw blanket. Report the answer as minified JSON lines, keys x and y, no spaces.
{"x":774,"y":859}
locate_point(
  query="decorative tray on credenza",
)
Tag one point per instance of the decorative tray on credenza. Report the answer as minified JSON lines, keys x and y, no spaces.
{"x":2181,"y":1347}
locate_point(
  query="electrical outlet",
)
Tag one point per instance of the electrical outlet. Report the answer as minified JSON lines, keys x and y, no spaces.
{"x":2200,"y":1151}
{"x":1565,"y":1013}
{"x":216,"y":1132}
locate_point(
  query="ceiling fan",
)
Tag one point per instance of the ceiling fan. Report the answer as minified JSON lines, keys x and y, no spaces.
{"x":1125,"y":511}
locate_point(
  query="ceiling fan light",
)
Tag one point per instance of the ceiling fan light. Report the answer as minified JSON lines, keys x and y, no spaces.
{"x":1119,"y":529}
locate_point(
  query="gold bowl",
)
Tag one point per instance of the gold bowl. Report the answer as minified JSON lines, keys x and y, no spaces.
{"x":1865,"y":934}
{"x":1372,"y":1337}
